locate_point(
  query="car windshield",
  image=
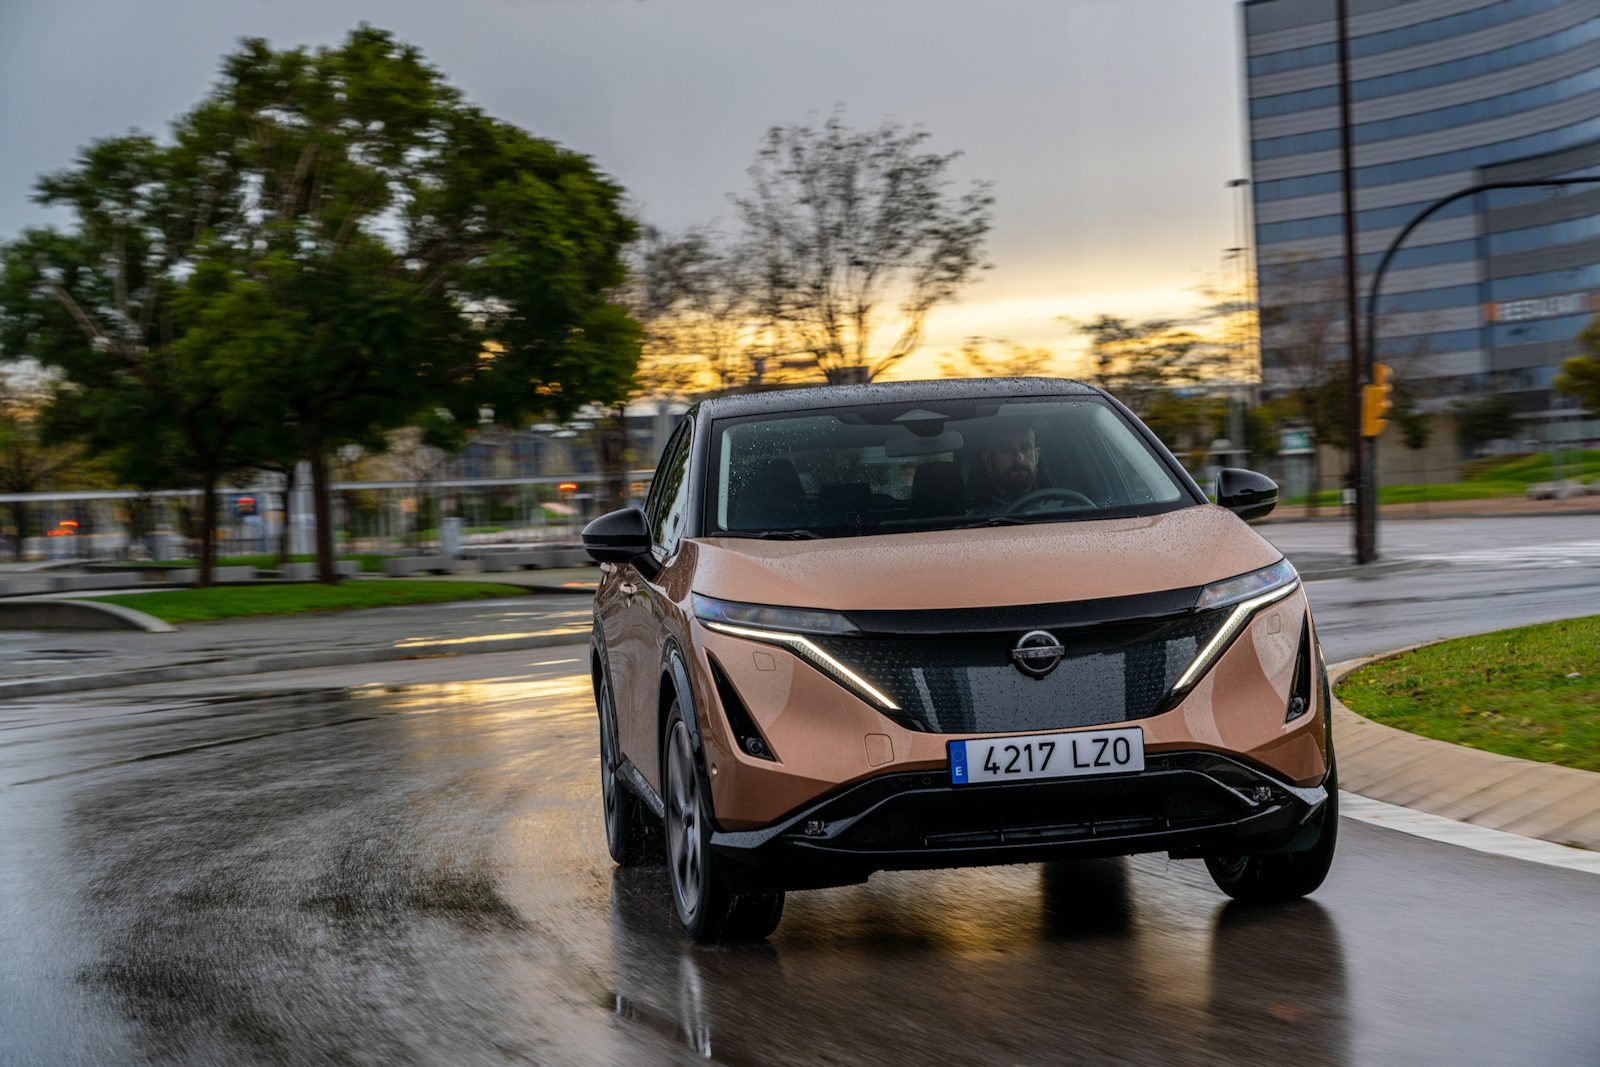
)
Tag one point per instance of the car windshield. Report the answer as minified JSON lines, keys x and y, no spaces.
{"x":888,"y":468}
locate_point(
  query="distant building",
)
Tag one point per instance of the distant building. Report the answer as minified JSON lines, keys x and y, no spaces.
{"x":1489,"y":295}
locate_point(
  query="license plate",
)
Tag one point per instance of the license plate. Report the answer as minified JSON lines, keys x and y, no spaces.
{"x":1011,"y":759}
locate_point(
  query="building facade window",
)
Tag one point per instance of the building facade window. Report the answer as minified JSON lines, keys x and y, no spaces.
{"x":1532,"y":314}
{"x":1429,"y":77}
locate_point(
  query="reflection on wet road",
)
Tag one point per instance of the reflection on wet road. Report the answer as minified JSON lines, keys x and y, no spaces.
{"x":412,"y":869}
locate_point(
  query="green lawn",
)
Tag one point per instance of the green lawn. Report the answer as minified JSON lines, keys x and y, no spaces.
{"x":232,"y":602}
{"x":1481,"y":479}
{"x":1532,"y":692}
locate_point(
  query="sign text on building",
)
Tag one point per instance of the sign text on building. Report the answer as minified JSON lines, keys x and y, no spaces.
{"x":1542,"y":307}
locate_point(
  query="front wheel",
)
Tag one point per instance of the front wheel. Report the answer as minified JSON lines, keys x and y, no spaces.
{"x":631,"y":838}
{"x":707,"y":906}
{"x":1279,"y":876}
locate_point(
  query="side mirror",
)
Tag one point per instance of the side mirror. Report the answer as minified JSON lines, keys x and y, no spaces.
{"x":617,"y":536}
{"x":1245,"y":493}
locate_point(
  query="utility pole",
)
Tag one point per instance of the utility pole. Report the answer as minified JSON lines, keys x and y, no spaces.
{"x":1361,"y":453}
{"x":1239,"y":253}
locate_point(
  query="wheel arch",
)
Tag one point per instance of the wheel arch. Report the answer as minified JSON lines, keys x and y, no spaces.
{"x":675,"y":685}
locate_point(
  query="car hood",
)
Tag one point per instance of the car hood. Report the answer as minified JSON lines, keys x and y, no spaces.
{"x":988,"y":567}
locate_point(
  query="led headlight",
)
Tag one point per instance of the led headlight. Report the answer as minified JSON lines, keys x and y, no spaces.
{"x":1248,"y":593}
{"x":786,"y":627}
{"x":1233,"y":590}
{"x":766,"y":617}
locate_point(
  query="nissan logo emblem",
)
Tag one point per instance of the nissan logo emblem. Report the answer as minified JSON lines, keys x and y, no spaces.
{"x":1037,"y":653}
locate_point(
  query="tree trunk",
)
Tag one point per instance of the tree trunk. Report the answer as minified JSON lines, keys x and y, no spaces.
{"x":19,"y":515}
{"x":614,"y":440}
{"x":321,"y":506}
{"x":288,"y":514}
{"x":1308,"y":405}
{"x":208,"y":528}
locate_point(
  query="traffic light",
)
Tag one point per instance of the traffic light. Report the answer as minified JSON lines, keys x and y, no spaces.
{"x":1376,"y":400}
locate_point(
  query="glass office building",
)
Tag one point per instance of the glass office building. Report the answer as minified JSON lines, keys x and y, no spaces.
{"x":1490,"y":294}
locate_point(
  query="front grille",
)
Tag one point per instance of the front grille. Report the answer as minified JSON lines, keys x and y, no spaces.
{"x":1046,"y":811}
{"x":966,"y":683}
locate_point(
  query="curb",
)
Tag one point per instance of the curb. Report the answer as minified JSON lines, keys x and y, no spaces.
{"x":47,"y":613}
{"x":291,"y":661}
{"x":1543,"y":801}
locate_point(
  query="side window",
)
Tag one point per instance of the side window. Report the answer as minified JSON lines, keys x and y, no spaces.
{"x":652,"y":499}
{"x":670,"y":494}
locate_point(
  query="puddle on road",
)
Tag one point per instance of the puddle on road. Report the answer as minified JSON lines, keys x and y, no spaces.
{"x":476,"y":639}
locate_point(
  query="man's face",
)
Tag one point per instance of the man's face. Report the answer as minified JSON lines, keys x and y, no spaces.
{"x":1012,"y":460}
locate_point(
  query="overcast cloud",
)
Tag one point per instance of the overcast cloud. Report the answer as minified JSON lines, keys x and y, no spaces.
{"x":1108,"y":126}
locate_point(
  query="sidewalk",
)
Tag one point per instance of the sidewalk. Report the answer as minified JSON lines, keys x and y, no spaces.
{"x":1541,"y":800}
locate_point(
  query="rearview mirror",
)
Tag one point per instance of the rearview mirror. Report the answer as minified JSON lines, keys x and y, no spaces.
{"x":617,"y":536}
{"x":1245,"y":493}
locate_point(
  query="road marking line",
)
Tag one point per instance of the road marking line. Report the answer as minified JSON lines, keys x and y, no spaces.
{"x":1479,"y":838}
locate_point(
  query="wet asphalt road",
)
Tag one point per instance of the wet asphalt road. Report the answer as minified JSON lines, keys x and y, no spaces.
{"x":1463,"y":577}
{"x":405,"y":864}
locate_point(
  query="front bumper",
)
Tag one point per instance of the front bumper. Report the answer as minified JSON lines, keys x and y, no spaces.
{"x":1184,"y":803}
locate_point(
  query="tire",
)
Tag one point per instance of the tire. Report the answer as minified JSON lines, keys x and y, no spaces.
{"x":707,"y":906}
{"x":631,"y":832}
{"x":1275,"y":877}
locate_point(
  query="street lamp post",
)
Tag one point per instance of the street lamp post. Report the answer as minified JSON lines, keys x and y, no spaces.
{"x":1361,"y":480}
{"x":1371,"y":333}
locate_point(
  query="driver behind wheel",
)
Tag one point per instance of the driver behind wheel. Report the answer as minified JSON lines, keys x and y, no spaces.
{"x":1009,"y":463}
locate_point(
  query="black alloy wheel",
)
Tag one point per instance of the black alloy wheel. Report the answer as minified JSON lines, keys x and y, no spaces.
{"x":1271,"y":878}
{"x":628,"y":824}
{"x":708,"y":907}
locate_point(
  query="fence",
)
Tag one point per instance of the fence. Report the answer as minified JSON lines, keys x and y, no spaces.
{"x":253,"y":520}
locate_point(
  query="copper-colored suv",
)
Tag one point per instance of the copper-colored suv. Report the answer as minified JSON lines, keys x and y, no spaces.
{"x":945,"y":624}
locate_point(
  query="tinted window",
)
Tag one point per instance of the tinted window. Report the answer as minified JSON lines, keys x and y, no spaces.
{"x":669,"y":494}
{"x":932,"y":465}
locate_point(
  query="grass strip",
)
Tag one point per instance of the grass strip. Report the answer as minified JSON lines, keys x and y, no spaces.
{"x":1532,"y":692}
{"x":234,"y":602}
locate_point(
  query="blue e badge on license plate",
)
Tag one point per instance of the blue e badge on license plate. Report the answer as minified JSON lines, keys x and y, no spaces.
{"x":958,"y":762}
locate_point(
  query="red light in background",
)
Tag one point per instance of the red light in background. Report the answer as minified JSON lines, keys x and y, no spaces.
{"x":568,"y":487}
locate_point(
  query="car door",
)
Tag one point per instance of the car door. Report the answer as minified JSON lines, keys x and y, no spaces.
{"x":642,"y":613}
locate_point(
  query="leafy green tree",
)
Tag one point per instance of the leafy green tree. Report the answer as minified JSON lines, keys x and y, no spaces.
{"x":334,"y":242}
{"x":398,"y":250}
{"x":1580,"y":375}
{"x":1483,"y":420}
{"x":105,"y":304}
{"x":1185,"y":423}
{"x":1416,"y":427}
{"x":840,"y":224}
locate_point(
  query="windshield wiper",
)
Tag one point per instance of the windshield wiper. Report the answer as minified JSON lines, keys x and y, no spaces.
{"x":997,"y":520}
{"x":784,"y":535}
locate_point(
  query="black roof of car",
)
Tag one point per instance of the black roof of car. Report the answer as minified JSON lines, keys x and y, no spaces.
{"x":829,"y":396}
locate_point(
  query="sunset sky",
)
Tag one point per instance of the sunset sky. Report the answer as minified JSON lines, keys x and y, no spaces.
{"x":1109,"y":127}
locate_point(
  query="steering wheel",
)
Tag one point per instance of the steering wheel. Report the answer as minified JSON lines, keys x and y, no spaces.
{"x":1027,"y":500}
